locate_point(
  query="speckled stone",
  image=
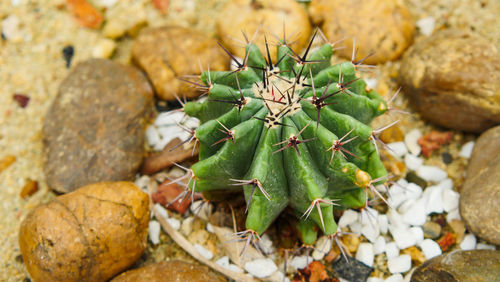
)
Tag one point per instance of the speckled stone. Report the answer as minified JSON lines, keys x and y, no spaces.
{"x":480,"y":195}
{"x":453,"y":80}
{"x":476,"y":265}
{"x":94,"y":130}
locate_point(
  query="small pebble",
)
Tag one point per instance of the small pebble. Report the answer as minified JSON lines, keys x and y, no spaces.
{"x":370,"y":231}
{"x":413,"y":162}
{"x":418,"y":234}
{"x":395,"y":219}
{"x":104,"y":48}
{"x":10,"y":28}
{"x":413,"y":191}
{"x":152,"y":136}
{"x":383,"y":223}
{"x":348,"y":217}
{"x":403,"y":237}
{"x":154,"y":232}
{"x":203,"y":251}
{"x":187,"y":226}
{"x":453,"y":214}
{"x":265,"y":244}
{"x":432,"y":230}
{"x":466,"y":150}
{"x":482,"y":246}
{"x":261,"y":268}
{"x":430,"y":248}
{"x":431,"y":173}
{"x":446,"y":157}
{"x":352,"y":269}
{"x":446,"y":184}
{"x":161,"y":210}
{"x":210,"y":229}
{"x":22,"y":100}
{"x":433,"y":196}
{"x":399,"y":264}
{"x":394,"y":278}
{"x":321,"y":248}
{"x":411,"y":141}
{"x":374,"y":279}
{"x":416,"y":213}
{"x":365,"y":254}
{"x":397,"y":149}
{"x":379,"y":245}
{"x":426,"y":25}
{"x":450,"y":200}
{"x":68,"y":52}
{"x":391,"y":250}
{"x":412,"y":177}
{"x":469,"y":242}
{"x":300,"y":262}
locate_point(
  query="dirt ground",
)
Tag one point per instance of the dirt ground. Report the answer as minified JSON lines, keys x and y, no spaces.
{"x":32,"y":64}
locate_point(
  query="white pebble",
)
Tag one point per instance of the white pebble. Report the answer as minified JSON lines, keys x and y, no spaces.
{"x":431,"y":173}
{"x":395,"y":219}
{"x":411,"y":141}
{"x":154,"y":232}
{"x":374,"y":279}
{"x":446,"y":184}
{"x":203,"y":251}
{"x":426,"y":25}
{"x":210,"y":228}
{"x":481,"y":246}
{"x":413,"y":191}
{"x":466,"y":150}
{"x":391,"y":250}
{"x":201,"y":209}
{"x":103,"y":48}
{"x":370,"y":231}
{"x":396,"y":199}
{"x":348,"y":217}
{"x":106,"y":3}
{"x":365,"y":254}
{"x":413,"y":162}
{"x":394,"y":278}
{"x":175,"y":223}
{"x":416,"y":214}
{"x":433,"y":197}
{"x":469,"y":242}
{"x":161,"y":210}
{"x":142,"y":182}
{"x":418,"y":234}
{"x":371,"y":82}
{"x":265,"y":244}
{"x":152,"y":136}
{"x":383,"y":223}
{"x":402,"y":182}
{"x":405,"y":206}
{"x":430,"y":248}
{"x":187,"y":226}
{"x":450,"y":200}
{"x":300,"y":262}
{"x":321,"y":248}
{"x":10,"y":28}
{"x":453,"y":214}
{"x":379,"y":245}
{"x":223,"y":261}
{"x":356,"y":228}
{"x":403,"y":237}
{"x":399,"y":264}
{"x":235,"y":268}
{"x":397,"y":149}
{"x":168,"y":119}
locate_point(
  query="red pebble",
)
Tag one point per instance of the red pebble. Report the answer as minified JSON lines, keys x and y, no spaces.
{"x":22,"y":100}
{"x":167,"y":192}
{"x":446,"y":241}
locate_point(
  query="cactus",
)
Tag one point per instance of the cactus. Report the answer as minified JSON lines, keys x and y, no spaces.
{"x":294,"y":132}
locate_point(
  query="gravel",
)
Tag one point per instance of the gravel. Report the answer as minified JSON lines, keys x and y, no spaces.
{"x":203,"y":251}
{"x":469,"y":242}
{"x":261,"y":268}
{"x":399,"y":264}
{"x":431,"y":173}
{"x":466,"y":150}
{"x":411,"y":141}
{"x":365,"y":254}
{"x":430,"y":248}
{"x":154,"y":231}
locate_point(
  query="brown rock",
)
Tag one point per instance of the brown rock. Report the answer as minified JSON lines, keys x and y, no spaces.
{"x":94,"y":130}
{"x":476,"y":265}
{"x":267,"y":17}
{"x":167,"y":53}
{"x":169,"y":271}
{"x":453,"y":80}
{"x":383,"y":28}
{"x":480,"y":195}
{"x":90,"y":234}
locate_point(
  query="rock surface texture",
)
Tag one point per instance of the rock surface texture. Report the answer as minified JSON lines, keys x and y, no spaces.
{"x":265,"y":17}
{"x":94,"y":130}
{"x":380,"y":27}
{"x":173,"y":271}
{"x":87,"y":235}
{"x":480,"y":195}
{"x":453,"y":80}
{"x":167,"y":53}
{"x":477,"y":265}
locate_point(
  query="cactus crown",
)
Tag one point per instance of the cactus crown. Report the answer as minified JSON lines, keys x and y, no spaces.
{"x":294,"y":132}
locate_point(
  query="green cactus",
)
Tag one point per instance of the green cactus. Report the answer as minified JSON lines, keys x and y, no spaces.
{"x":291,"y":133}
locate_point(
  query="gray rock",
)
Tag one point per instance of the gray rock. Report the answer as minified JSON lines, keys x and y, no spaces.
{"x":94,"y":130}
{"x":476,"y":265}
{"x":431,"y":230}
{"x":480,"y":195}
{"x":453,"y":80}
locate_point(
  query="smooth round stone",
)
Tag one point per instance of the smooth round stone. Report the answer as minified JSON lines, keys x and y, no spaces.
{"x":94,"y":130}
{"x":480,"y":195}
{"x":476,"y":265}
{"x":174,"y":270}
